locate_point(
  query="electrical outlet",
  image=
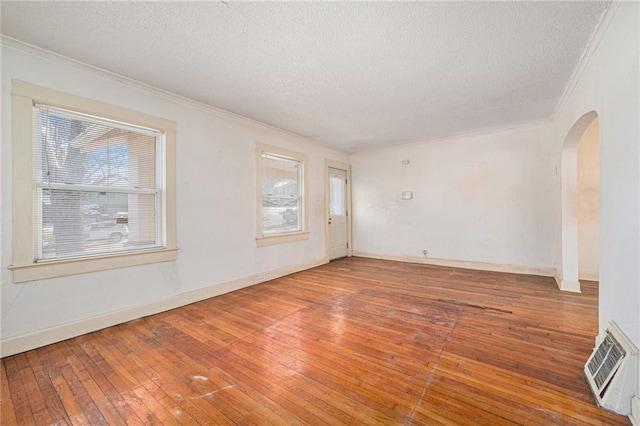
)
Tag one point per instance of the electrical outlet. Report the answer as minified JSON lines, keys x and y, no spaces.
{"x":425,"y":253}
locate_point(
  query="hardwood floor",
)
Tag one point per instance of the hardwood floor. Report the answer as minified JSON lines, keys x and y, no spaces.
{"x":357,"y":341}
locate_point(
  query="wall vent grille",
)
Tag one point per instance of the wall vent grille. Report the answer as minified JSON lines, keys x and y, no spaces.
{"x":605,"y":362}
{"x":612,"y":370}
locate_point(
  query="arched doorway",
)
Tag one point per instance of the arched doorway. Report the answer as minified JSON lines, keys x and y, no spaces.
{"x":569,"y":263}
{"x":589,"y":204}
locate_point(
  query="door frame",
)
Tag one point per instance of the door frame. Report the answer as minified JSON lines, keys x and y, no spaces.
{"x":567,"y":275}
{"x":327,"y":243}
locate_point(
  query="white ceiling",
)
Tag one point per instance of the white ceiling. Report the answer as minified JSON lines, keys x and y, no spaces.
{"x":354,"y":75}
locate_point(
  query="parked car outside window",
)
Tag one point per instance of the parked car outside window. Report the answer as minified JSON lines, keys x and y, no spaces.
{"x":111,"y":231}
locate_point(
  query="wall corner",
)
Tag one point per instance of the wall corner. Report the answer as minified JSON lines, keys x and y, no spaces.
{"x":635,"y":411}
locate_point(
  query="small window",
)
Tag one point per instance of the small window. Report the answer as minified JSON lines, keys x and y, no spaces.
{"x":281,"y":198}
{"x":91,"y":176}
{"x":337,"y":195}
{"x":93,"y":185}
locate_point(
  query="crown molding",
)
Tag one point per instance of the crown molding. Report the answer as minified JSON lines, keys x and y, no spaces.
{"x":592,"y":46}
{"x":478,"y":133}
{"x":153,"y":90}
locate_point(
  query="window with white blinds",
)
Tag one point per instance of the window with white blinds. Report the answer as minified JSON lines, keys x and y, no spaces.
{"x":98,"y":186}
{"x":281,"y":195}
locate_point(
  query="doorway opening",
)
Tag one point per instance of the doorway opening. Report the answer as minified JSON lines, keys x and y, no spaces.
{"x":337,"y":210}
{"x":588,"y":193}
{"x":580,"y":204}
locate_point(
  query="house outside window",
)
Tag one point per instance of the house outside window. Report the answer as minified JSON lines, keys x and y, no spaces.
{"x":93,"y":185}
{"x":98,"y":186}
{"x":281,"y":196}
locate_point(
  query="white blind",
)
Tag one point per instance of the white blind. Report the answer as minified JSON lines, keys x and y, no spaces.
{"x":281,"y":194}
{"x":98,"y":185}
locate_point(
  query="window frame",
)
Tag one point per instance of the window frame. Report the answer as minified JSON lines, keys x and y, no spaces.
{"x":271,"y":238}
{"x":42,"y":184}
{"x":24,"y":267}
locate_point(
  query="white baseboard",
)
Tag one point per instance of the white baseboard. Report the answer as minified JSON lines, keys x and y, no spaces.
{"x":465,"y":264}
{"x":567,"y":285}
{"x":587,"y":276}
{"x":570,"y":286}
{"x":635,"y":411}
{"x":17,"y":344}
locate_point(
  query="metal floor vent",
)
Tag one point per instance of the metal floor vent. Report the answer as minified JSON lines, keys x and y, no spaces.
{"x":612,"y":370}
{"x":605,"y":362}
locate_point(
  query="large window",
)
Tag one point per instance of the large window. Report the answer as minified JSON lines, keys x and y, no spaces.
{"x":93,"y":185}
{"x":98,"y":186}
{"x":281,"y":198}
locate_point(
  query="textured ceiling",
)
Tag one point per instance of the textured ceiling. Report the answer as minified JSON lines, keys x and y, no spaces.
{"x":354,"y":75}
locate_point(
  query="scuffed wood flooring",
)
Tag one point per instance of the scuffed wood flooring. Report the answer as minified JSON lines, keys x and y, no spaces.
{"x":357,"y":341}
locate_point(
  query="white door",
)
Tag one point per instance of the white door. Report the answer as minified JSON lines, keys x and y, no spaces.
{"x":337,"y":213}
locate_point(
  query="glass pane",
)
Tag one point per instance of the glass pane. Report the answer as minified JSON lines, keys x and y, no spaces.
{"x":282,"y":217}
{"x":280,"y":194}
{"x":336,"y":191}
{"x":75,"y":150}
{"x":78,"y":223}
{"x":279,"y":177}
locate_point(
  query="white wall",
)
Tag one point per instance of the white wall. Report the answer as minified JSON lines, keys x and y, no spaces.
{"x":588,"y":204}
{"x":216,"y":183}
{"x":481,"y":198}
{"x":609,"y":84}
{"x":496,"y":197}
{"x":491,"y":198}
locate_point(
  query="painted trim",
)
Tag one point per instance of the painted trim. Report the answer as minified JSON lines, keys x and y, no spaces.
{"x":569,"y":268}
{"x":56,"y":98}
{"x":219,"y":112}
{"x":599,"y":32}
{"x":262,"y":239}
{"x":152,"y":90}
{"x":327,"y":239}
{"x":17,"y":344}
{"x":587,"y":276}
{"x":292,"y":237}
{"x":569,"y":286}
{"x":67,"y":267}
{"x":478,"y":133}
{"x":23,"y":96}
{"x":464,"y":264}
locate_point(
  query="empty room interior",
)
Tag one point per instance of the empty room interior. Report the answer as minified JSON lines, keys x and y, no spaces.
{"x":225,"y":212}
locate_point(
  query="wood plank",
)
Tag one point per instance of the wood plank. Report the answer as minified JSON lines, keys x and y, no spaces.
{"x":92,"y":361}
{"x":166,"y":371}
{"x":71,"y":406}
{"x":36,"y":399}
{"x":20,"y":401}
{"x":56,"y":410}
{"x":356,"y":341}
{"x":7,"y":410}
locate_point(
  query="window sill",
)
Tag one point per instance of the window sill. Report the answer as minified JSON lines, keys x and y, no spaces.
{"x":62,"y":268}
{"x":269,"y":240}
